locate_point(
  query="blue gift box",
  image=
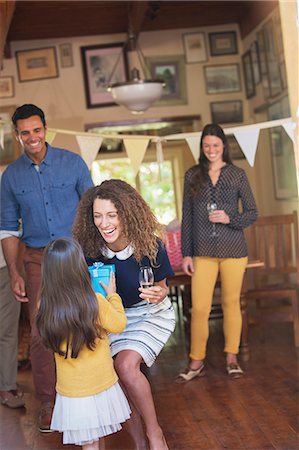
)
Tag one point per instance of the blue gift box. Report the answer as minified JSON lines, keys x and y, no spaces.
{"x":100,"y":272}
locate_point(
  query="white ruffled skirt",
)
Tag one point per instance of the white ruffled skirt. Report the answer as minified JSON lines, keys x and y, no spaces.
{"x":84,"y":420}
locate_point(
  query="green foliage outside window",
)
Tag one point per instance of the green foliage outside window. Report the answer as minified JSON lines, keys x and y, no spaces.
{"x":156,"y":186}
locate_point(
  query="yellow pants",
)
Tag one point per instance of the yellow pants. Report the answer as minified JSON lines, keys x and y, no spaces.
{"x":202,"y":289}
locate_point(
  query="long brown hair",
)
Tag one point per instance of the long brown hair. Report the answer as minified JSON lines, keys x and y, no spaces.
{"x":69,"y":311}
{"x":141,"y":227}
{"x":201,"y":170}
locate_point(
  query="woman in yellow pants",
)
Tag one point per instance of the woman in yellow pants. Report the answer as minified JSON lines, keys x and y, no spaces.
{"x":213,"y":242}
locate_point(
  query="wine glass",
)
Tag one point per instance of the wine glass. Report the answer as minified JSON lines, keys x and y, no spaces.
{"x":146,"y":278}
{"x":211,"y":207}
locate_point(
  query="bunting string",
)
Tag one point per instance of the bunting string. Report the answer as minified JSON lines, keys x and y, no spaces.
{"x":136,"y":145}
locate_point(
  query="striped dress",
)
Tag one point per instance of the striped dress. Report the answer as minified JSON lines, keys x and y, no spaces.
{"x":149,"y":325}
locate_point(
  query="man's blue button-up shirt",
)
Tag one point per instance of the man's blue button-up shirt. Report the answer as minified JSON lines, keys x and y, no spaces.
{"x":44,"y":197}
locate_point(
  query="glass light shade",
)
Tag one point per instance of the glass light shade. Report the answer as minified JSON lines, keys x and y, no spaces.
{"x":137,"y":95}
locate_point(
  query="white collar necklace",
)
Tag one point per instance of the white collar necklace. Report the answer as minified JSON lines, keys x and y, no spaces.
{"x":122,"y":254}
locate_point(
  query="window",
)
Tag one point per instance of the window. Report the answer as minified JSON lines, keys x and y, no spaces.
{"x":155,"y":184}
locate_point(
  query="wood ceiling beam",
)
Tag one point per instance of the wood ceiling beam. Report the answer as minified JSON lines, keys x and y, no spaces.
{"x":6,"y":12}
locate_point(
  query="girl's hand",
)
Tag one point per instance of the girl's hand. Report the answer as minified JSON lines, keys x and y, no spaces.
{"x":111,"y":288}
{"x":154,"y":294}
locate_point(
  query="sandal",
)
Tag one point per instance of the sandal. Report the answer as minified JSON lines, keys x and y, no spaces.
{"x":189,"y":374}
{"x":12,"y":399}
{"x":234,"y":370}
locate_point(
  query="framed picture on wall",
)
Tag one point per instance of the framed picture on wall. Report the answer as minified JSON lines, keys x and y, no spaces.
{"x":171,"y":69}
{"x":282,"y":153}
{"x":256,"y":65}
{"x":37,"y":64}
{"x":98,"y":63}
{"x":234,"y":148}
{"x":10,"y":150}
{"x":66,"y":55}
{"x":272,"y":60}
{"x":227,"y":112}
{"x":248,"y":74}
{"x":222,"y":78}
{"x":6,"y":87}
{"x":224,"y":43}
{"x":195,"y":47}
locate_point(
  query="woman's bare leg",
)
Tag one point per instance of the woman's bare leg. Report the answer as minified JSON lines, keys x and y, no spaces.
{"x":94,"y":446}
{"x":134,"y":425}
{"x":127,"y":364}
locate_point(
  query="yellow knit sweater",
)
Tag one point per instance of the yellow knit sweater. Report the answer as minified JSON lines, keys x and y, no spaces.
{"x":92,"y":371}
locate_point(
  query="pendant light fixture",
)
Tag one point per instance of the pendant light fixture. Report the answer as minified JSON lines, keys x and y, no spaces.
{"x":137,"y":94}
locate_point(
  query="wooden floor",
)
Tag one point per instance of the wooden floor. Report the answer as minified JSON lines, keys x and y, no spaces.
{"x":257,"y":412}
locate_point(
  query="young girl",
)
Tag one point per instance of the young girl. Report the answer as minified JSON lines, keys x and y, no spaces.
{"x":73,"y":321}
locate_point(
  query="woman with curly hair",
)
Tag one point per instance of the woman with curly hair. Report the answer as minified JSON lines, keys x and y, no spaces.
{"x":114,"y":224}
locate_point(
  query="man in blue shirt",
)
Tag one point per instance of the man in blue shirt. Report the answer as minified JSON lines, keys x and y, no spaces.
{"x":42,"y":189}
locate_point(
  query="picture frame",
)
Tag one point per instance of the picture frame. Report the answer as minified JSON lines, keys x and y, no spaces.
{"x":282,"y":153}
{"x":248,"y":74}
{"x":235,"y":150}
{"x":221,"y":79}
{"x":227,"y":112}
{"x":7,"y":87}
{"x":66,"y":55}
{"x":37,"y":64}
{"x":283,"y":163}
{"x":194,"y":47}
{"x":11,"y":150}
{"x":263,"y":63}
{"x":98,"y":63}
{"x":171,"y":69}
{"x":256,"y":65}
{"x":272,"y":60}
{"x":223,"y":43}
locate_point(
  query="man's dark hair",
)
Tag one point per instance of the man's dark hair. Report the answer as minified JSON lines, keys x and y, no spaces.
{"x":26,"y":111}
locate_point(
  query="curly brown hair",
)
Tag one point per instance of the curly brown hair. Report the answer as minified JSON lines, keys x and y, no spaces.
{"x":141,"y":227}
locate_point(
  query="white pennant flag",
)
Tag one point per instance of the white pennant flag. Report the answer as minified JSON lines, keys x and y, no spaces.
{"x":290,"y":130}
{"x":248,"y":140}
{"x":2,"y":136}
{"x":136,"y":149}
{"x":89,"y":147}
{"x":50,"y":136}
{"x":193,"y":143}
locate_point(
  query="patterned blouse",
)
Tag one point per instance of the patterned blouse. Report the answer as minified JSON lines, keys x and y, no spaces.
{"x":231,"y":189}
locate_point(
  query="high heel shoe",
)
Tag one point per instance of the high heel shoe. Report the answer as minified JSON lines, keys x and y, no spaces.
{"x":189,"y":374}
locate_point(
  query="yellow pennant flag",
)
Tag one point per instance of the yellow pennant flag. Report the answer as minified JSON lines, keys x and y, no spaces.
{"x":136,"y":149}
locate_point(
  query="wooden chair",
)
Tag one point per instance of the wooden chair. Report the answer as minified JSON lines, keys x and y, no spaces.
{"x":275,"y":287}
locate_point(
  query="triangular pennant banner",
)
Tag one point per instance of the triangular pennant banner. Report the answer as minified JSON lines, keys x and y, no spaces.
{"x":136,"y":149}
{"x":290,"y":130}
{"x":50,"y":136}
{"x":89,"y":148}
{"x":1,"y":136}
{"x":193,"y":143}
{"x":248,"y":140}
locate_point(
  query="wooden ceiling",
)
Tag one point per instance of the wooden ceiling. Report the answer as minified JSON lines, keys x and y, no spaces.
{"x":62,"y":19}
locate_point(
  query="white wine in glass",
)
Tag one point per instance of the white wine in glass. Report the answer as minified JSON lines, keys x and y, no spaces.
{"x":211,"y":207}
{"x":146,"y":278}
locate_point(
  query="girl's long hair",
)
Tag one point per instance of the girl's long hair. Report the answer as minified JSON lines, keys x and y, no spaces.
{"x":68,"y":316}
{"x":200,"y":173}
{"x":141,"y":227}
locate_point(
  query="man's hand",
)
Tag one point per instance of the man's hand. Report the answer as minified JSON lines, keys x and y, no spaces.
{"x":17,"y":284}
